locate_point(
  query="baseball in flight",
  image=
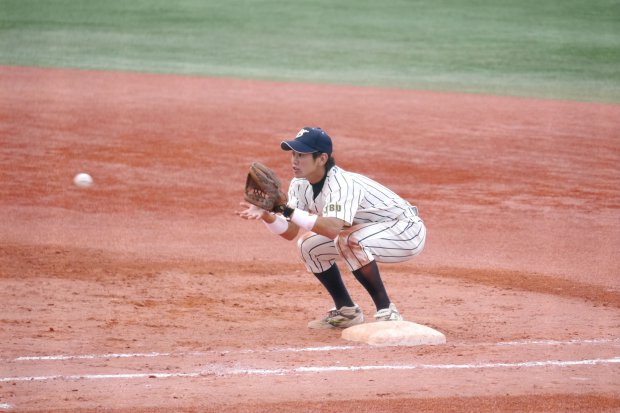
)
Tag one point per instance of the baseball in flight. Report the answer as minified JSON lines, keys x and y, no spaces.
{"x":83,"y":180}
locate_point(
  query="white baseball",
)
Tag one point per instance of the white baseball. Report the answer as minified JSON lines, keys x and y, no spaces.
{"x":83,"y":180}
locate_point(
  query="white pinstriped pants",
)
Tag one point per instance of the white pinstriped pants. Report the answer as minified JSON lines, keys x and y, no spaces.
{"x":358,"y":245}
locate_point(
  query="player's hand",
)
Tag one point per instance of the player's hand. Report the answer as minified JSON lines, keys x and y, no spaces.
{"x":250,"y":211}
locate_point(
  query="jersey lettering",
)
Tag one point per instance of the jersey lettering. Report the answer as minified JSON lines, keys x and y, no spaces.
{"x":332,"y":208}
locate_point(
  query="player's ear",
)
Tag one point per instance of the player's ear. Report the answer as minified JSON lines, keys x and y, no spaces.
{"x":324,"y":157}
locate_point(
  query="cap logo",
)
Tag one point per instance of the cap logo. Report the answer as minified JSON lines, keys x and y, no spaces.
{"x":301,"y":133}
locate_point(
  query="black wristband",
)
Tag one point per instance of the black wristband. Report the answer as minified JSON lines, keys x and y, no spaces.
{"x":287,"y":212}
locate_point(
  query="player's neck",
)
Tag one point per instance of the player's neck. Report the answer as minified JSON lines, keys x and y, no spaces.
{"x":318,"y":186}
{"x":317,"y":176}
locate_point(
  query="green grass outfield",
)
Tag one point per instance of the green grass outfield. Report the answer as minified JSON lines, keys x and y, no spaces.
{"x":564,"y":49}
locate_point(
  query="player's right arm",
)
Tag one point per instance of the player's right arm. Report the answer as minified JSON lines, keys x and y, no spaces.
{"x":327,"y":226}
{"x":298,"y":195}
{"x":290,"y":229}
{"x":290,"y":233}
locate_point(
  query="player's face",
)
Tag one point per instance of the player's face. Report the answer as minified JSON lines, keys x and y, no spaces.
{"x":307,"y":167}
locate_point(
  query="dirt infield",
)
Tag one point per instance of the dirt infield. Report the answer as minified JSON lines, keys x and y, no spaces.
{"x":146,"y":293}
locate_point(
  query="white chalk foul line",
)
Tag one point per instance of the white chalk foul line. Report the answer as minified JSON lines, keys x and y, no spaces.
{"x":300,"y":350}
{"x":558,"y":342}
{"x":100,"y":376}
{"x":182,"y":354}
{"x":220,"y":371}
{"x":328,"y":369}
{"x":90,"y":356}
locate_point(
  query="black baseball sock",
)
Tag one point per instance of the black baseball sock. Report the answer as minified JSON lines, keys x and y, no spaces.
{"x":370,"y":278}
{"x":332,"y":281}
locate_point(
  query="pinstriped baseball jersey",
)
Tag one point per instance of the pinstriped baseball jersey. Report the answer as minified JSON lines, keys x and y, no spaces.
{"x":351,"y":197}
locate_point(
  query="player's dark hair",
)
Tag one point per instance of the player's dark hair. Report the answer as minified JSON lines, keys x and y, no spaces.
{"x":330,"y":160}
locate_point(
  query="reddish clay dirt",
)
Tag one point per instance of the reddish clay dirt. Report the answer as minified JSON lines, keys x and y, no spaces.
{"x":146,"y":293}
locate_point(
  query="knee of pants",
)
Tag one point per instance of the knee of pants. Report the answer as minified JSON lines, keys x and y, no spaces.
{"x":350,"y":249}
{"x":316,"y":251}
{"x":304,"y":247}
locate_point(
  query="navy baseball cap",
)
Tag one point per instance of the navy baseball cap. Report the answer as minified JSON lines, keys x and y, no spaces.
{"x":309,"y":140}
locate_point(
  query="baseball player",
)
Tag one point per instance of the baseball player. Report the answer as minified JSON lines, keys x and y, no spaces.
{"x":342,"y":215}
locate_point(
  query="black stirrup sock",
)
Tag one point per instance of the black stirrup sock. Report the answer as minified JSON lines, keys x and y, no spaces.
{"x":332,"y":281}
{"x":370,"y":278}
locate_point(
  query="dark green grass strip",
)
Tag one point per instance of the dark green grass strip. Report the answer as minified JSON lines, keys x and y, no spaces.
{"x":564,"y":49}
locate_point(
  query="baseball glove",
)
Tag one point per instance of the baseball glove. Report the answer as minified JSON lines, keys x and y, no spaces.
{"x":263,"y":189}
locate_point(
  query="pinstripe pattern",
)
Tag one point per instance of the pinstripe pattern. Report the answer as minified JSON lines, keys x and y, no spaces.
{"x":354,"y":198}
{"x":317,"y":252}
{"x":383,"y":226}
{"x":392,"y":241}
